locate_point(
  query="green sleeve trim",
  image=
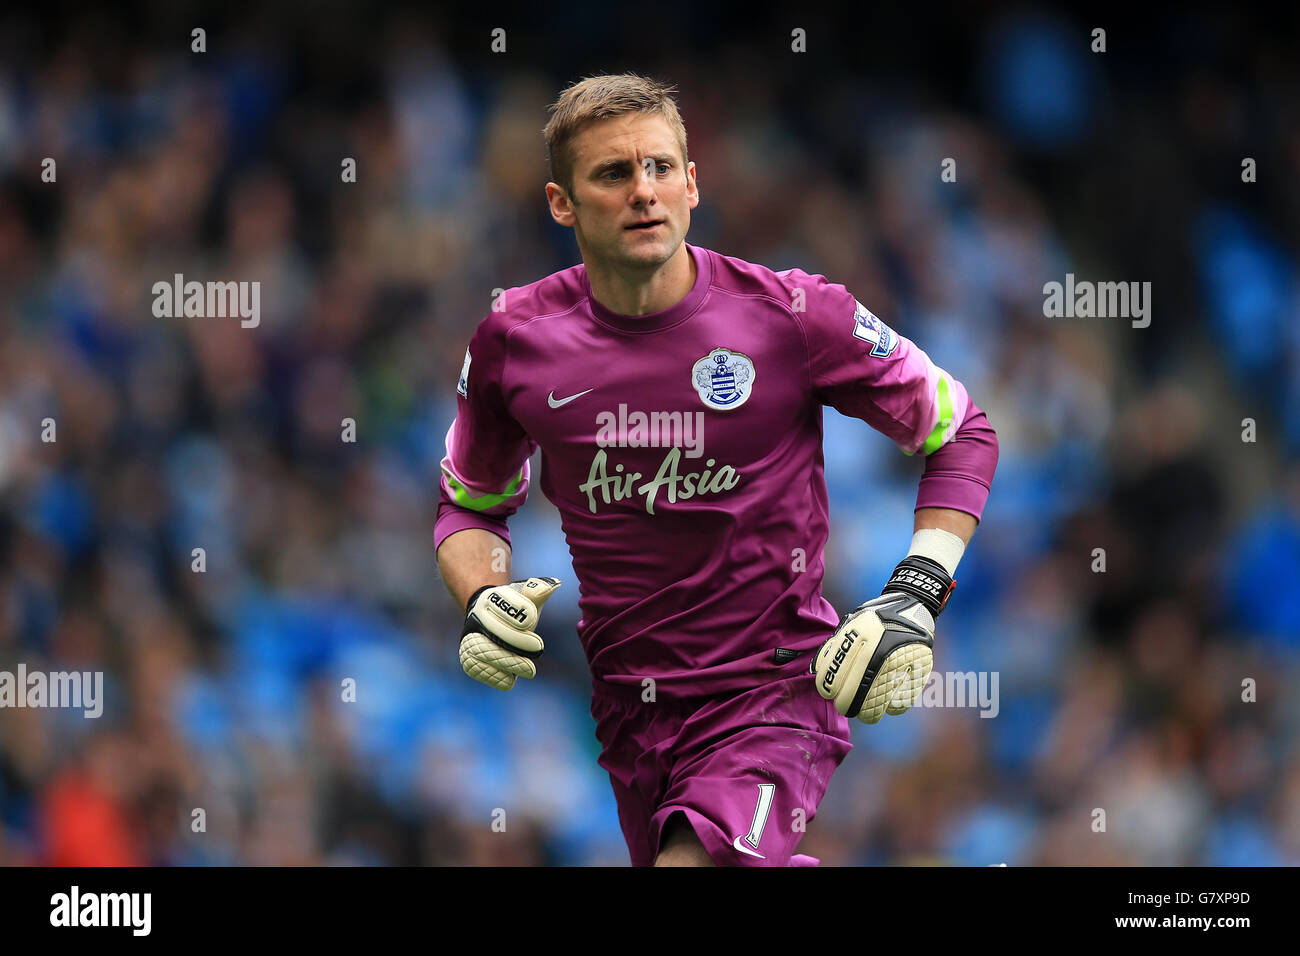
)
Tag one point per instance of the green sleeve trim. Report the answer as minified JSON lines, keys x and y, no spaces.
{"x":945,"y":418}
{"x":462,"y":495}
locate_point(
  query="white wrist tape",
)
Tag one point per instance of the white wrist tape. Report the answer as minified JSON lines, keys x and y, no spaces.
{"x":939,"y":545}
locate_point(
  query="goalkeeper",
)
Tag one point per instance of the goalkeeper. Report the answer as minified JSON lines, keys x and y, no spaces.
{"x":676,"y":396}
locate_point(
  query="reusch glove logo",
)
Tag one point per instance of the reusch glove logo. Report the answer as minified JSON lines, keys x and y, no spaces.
{"x":506,"y":608}
{"x":833,"y":668}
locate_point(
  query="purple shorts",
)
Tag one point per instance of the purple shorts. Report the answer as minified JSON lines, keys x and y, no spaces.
{"x":747,"y":770}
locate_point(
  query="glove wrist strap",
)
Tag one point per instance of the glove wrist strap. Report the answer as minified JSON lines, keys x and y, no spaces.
{"x":924,"y":579}
{"x":472,"y":624}
{"x":474,"y":597}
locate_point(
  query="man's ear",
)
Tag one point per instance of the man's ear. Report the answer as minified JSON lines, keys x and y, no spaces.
{"x":560,"y":204}
{"x":692,"y":187}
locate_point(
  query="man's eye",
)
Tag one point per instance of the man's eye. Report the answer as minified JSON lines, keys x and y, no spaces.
{"x":665,"y":167}
{"x":612,"y":172}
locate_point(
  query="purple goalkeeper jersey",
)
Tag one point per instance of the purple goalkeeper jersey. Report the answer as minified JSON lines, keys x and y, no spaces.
{"x":683,"y":450}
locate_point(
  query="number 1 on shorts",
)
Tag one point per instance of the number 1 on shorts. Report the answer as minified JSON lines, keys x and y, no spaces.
{"x":765,"y":794}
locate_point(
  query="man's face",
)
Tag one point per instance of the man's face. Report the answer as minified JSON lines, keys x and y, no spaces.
{"x":627,"y":170}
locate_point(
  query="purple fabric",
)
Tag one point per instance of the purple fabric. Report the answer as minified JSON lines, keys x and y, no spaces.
{"x":696,"y":588}
{"x":709,"y":759}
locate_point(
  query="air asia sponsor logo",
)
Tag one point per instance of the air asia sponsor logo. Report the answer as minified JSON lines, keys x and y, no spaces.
{"x":212,"y":300}
{"x":651,"y":430}
{"x":1100,"y":300}
{"x":678,"y":486}
{"x":75,"y":908}
{"x":74,"y":689}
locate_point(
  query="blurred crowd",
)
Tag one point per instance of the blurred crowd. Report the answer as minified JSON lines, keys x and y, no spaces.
{"x":291,"y":693}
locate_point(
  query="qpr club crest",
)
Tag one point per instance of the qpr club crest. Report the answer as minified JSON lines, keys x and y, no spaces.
{"x":724,"y":379}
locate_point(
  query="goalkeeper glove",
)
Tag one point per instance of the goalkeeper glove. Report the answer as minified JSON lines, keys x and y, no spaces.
{"x":879,"y":657}
{"x":499,"y":641}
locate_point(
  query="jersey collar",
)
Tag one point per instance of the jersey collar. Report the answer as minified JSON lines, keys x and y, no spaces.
{"x":656,"y":321}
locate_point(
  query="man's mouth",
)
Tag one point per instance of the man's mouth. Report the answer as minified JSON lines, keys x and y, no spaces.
{"x":646,"y":225}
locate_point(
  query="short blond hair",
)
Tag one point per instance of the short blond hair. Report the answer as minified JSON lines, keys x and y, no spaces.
{"x":603,"y":97}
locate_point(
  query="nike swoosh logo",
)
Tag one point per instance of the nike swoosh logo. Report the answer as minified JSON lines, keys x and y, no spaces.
{"x":740,"y":844}
{"x":551,"y":400}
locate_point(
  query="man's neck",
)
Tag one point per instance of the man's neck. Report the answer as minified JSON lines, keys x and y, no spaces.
{"x":632,"y":295}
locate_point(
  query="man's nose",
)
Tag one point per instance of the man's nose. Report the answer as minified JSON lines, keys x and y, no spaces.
{"x":644,"y":188}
